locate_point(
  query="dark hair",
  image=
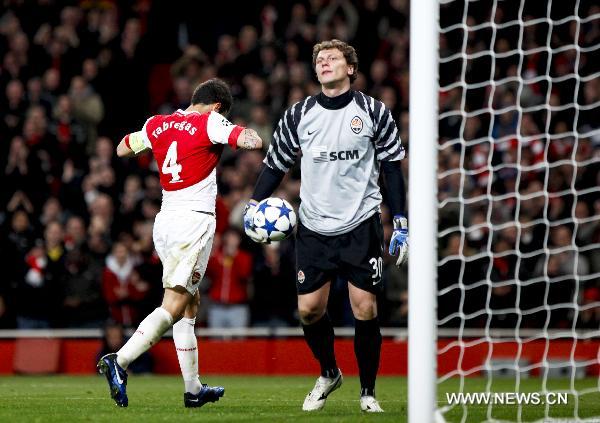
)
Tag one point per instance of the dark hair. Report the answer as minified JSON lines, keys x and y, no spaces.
{"x":213,"y":91}
{"x":346,"y":49}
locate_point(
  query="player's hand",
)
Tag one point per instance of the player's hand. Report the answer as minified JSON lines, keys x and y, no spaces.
{"x":249,"y":227}
{"x":399,"y":240}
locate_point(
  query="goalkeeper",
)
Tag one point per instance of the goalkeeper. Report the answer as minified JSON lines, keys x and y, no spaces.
{"x":345,"y":137}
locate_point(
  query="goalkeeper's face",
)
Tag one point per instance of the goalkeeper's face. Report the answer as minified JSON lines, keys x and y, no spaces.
{"x":332,"y":68}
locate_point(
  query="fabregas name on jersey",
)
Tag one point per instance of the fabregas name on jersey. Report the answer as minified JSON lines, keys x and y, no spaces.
{"x":181,"y":126}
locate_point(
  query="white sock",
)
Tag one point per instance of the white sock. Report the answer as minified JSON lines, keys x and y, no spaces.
{"x":186,"y":346}
{"x":147,"y":334}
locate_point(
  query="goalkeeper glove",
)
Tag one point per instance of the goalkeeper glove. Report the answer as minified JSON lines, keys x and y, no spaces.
{"x":249,"y":227}
{"x":399,"y":240}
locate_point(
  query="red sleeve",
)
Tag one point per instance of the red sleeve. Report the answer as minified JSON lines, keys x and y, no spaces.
{"x":126,"y":139}
{"x":233,"y":136}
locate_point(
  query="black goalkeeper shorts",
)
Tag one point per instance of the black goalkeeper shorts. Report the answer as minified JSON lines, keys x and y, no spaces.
{"x":356,"y":256}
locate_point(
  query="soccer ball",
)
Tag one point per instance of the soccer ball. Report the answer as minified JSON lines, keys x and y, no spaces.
{"x":274,"y":219}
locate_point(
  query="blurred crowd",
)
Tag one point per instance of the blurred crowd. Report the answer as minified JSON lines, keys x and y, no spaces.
{"x":520,"y":246}
{"x":76,"y":221}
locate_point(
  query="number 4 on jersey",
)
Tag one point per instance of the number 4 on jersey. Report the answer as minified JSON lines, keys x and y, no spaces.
{"x":170,"y":164}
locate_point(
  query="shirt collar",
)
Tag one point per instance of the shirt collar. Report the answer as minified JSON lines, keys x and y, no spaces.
{"x":335,"y":103}
{"x":183,"y":112}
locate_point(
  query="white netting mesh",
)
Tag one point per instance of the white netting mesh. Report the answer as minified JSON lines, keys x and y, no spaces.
{"x":519,"y":204}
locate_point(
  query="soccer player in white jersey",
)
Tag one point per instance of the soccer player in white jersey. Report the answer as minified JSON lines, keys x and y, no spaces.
{"x":345,"y":137}
{"x":187,"y":146}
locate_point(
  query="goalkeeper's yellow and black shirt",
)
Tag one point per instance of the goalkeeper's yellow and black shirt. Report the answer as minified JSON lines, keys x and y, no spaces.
{"x":342,"y":140}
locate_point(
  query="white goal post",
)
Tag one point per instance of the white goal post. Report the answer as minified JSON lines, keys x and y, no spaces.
{"x":505,"y":229}
{"x":422,"y":211}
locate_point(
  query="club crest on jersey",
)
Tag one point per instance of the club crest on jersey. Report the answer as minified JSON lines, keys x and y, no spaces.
{"x":301,"y":276}
{"x":356,"y":124}
{"x":196,"y":277}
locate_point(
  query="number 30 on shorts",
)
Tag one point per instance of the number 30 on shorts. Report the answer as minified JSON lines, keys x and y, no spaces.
{"x":377,"y":263}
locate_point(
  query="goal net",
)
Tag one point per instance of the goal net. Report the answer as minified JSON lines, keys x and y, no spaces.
{"x":518,"y":271}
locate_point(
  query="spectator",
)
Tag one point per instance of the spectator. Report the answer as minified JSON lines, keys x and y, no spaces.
{"x":229,"y":270}
{"x":87,"y":108}
{"x":83,"y":305}
{"x":69,"y":132}
{"x":38,"y":293}
{"x":14,"y":107}
{"x":15,"y":242}
{"x":122,"y":286}
{"x":75,"y":233}
{"x":22,"y":175}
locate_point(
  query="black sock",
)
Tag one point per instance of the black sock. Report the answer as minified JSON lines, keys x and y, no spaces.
{"x":367,"y":347}
{"x":319,"y":337}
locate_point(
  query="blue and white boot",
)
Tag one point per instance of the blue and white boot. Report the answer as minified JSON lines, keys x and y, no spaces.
{"x":206,"y":394}
{"x":116,"y":377}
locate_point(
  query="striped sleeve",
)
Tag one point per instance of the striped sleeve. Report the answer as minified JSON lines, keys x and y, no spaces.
{"x":388,"y":146}
{"x":285,"y":145}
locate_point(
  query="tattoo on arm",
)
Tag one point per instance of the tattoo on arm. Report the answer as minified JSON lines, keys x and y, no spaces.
{"x":250,"y":140}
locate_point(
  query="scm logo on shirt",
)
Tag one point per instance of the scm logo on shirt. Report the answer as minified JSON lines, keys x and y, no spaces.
{"x":320,"y":155}
{"x":343,"y":155}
